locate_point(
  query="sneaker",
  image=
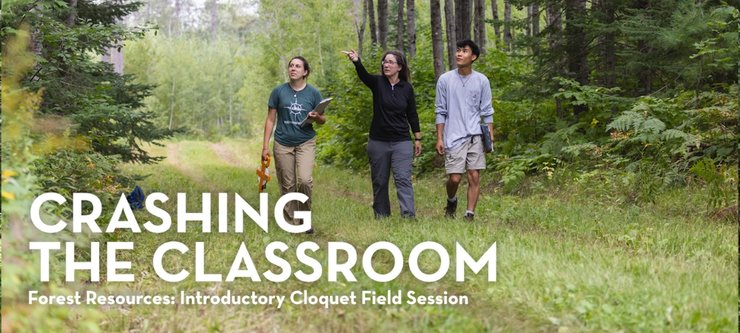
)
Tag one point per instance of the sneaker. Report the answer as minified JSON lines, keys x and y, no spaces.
{"x":451,"y":208}
{"x":469,"y":217}
{"x":309,"y":231}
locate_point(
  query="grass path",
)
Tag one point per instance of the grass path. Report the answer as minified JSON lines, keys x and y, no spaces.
{"x":566,"y":263}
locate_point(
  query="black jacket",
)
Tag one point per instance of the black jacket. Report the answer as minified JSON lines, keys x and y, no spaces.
{"x":394,"y":107}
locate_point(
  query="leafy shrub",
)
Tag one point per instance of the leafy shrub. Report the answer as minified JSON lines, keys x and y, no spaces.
{"x":68,"y":171}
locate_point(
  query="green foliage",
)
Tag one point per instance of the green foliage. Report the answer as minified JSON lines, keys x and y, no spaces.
{"x":343,"y":139}
{"x":66,"y":172}
{"x":21,"y":136}
{"x":102,"y":105}
{"x":197,"y":83}
{"x":671,"y":130}
{"x":719,"y":179}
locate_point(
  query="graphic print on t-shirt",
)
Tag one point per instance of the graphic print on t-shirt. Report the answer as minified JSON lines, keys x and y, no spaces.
{"x":296,"y":111}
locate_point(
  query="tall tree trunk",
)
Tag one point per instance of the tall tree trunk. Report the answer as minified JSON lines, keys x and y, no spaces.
{"x":528,"y":22}
{"x":480,"y":24}
{"x":360,"y":14}
{"x":411,"y":27}
{"x":450,"y":31}
{"x":463,"y":19}
{"x":383,"y":23}
{"x":644,"y":76}
{"x":554,"y":41}
{"x":318,"y":47}
{"x":171,"y":122}
{"x":231,"y":112}
{"x":554,"y":24}
{"x":400,"y":30}
{"x":373,"y":29}
{"x":535,"y":20}
{"x":508,"y":38}
{"x":72,"y":17}
{"x":576,"y":46}
{"x":608,"y":43}
{"x":496,"y":23}
{"x":176,"y":17}
{"x":213,"y":9}
{"x":437,"y":47}
{"x":114,"y":56}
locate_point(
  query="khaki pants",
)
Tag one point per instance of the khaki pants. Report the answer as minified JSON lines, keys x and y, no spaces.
{"x":294,"y":166}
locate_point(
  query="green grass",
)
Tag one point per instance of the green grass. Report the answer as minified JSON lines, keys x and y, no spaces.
{"x":567,"y":260}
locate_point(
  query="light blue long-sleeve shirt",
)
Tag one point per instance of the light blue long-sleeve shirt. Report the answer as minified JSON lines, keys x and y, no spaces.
{"x":460,"y":103}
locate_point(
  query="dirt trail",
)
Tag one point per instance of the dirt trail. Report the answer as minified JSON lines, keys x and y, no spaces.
{"x":173,"y":158}
{"x":226,"y":155}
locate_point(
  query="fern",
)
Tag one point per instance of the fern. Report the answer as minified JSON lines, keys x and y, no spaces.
{"x":628,"y":120}
{"x":718,"y":180}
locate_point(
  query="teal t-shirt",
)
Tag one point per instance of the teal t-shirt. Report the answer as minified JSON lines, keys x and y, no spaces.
{"x":292,"y":107}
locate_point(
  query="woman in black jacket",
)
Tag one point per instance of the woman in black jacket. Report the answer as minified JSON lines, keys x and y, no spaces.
{"x":390,"y":146}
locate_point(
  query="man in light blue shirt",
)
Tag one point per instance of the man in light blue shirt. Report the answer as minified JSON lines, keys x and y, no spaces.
{"x":463,"y":97}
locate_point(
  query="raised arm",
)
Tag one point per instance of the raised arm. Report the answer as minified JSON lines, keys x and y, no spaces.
{"x":366,"y":78}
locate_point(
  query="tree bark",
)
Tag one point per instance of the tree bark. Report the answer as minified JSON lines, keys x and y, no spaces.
{"x":400,"y":28}
{"x":360,"y":19}
{"x":508,"y":38}
{"x":554,"y":25}
{"x":607,"y":10}
{"x":213,"y":9}
{"x":437,"y":47}
{"x":383,"y":23}
{"x":576,"y":46}
{"x":411,"y":27}
{"x":72,"y":17}
{"x":114,"y":56}
{"x":480,"y":24}
{"x":176,"y":17}
{"x":371,"y":15}
{"x":645,"y":76}
{"x":528,"y":22}
{"x":554,"y":40}
{"x":450,"y":30}
{"x":496,"y":23}
{"x":463,"y":19}
{"x":535,"y":19}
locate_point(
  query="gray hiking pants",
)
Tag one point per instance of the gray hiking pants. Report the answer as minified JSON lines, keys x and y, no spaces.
{"x":397,"y":156}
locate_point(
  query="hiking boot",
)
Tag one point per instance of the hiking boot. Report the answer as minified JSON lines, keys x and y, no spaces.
{"x":451,"y":208}
{"x":469,"y":217}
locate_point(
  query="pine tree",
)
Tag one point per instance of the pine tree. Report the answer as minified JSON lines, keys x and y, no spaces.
{"x":103,"y":105}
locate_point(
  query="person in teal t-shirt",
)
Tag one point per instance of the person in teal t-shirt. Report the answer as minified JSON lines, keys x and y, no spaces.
{"x":295,"y":146}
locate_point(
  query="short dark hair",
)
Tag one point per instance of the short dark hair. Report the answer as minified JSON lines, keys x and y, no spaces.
{"x":405,"y":73}
{"x":305,"y":65}
{"x":474,"y":47}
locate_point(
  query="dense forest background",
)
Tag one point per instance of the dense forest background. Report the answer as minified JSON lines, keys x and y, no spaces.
{"x":644,"y":86}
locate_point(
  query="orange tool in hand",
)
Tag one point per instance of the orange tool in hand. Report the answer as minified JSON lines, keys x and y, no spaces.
{"x":264,"y":174}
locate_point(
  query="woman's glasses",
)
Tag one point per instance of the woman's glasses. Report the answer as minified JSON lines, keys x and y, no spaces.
{"x":389,"y":62}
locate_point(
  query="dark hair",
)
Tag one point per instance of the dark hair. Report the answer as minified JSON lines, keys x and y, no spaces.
{"x":404,"y":74}
{"x":305,"y":65}
{"x":472,"y":45}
